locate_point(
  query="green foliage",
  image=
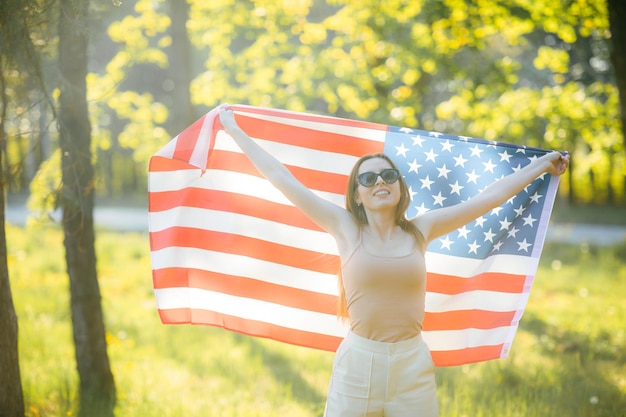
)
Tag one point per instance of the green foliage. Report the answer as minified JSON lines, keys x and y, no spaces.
{"x":529,"y":72}
{"x":568,"y":357}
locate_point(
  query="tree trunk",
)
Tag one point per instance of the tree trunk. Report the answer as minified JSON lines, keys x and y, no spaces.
{"x":180,"y":68}
{"x":11,"y":396}
{"x":97,"y":387}
{"x":617,"y":19}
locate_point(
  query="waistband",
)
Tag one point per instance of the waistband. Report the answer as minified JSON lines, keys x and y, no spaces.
{"x":385,"y":347}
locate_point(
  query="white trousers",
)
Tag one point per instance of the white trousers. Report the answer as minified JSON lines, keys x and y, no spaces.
{"x":372,"y":378}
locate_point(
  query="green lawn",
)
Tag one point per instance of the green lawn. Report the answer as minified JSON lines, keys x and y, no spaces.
{"x":568,"y":358}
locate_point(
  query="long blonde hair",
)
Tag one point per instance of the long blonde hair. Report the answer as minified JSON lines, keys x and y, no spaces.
{"x":359,"y":214}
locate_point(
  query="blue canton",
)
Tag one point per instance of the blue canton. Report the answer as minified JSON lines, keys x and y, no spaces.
{"x":442,"y":170}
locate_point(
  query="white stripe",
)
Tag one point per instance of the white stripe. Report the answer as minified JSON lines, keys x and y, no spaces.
{"x":201,"y":150}
{"x":442,"y":340}
{"x":326,"y":324}
{"x":293,"y":155}
{"x":479,"y":299}
{"x":327,"y":125}
{"x":238,"y":224}
{"x":438,"y":263}
{"x":243,"y":266}
{"x":228,"y":181}
{"x":251,"y":309}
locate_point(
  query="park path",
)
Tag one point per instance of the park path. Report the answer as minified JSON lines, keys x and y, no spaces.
{"x":129,"y":219}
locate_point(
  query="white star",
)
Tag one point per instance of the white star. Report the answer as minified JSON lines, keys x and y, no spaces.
{"x":447,"y":146}
{"x":406,"y":130}
{"x":510,"y":200}
{"x":535,"y":197}
{"x":414,"y":166}
{"x":411,"y":193}
{"x":431,"y":156}
{"x":456,"y":188}
{"x":463,"y":232}
{"x":496,"y":211}
{"x":489,"y":235}
{"x":529,"y":220}
{"x":513,"y":232}
{"x":418,"y":140}
{"x":446,"y":243}
{"x":517,"y":168}
{"x":401,"y":150}
{"x":473,"y":247}
{"x":435,"y":134}
{"x":472,"y":177}
{"x":460,"y":161}
{"x":519,"y":211}
{"x":505,"y":156}
{"x":421,"y":209}
{"x":523,"y":245}
{"x":489,"y":166}
{"x":465,"y":138}
{"x":426,"y":182}
{"x":443,"y":171}
{"x":476,"y":151}
{"x":504,"y":224}
{"x":521,"y":150}
{"x":480,"y":221}
{"x":439,"y":199}
{"x":497,"y":246}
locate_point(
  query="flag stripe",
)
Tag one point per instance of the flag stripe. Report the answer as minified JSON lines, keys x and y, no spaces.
{"x":245,"y":246}
{"x":308,"y":300}
{"x":251,"y":327}
{"x":293,"y":318}
{"x":218,"y":200}
{"x":254,"y":227}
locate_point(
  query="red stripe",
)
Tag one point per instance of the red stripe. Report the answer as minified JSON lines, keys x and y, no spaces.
{"x":245,"y":287}
{"x":487,"y":281}
{"x":313,"y":301}
{"x":467,"y":355}
{"x":163,"y":164}
{"x":187,"y":140}
{"x":463,"y":319}
{"x":310,"y":117}
{"x":245,"y":246}
{"x":311,"y":340}
{"x":230,"y":202}
{"x":251,"y":327}
{"x":311,"y":178}
{"x":308,"y":138}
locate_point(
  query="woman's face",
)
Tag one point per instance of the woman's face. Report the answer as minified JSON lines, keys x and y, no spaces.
{"x":381,"y":195}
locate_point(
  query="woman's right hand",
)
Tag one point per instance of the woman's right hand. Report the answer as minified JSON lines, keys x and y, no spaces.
{"x":227,"y":119}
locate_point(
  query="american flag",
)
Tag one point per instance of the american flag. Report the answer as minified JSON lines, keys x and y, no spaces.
{"x":229,"y":250}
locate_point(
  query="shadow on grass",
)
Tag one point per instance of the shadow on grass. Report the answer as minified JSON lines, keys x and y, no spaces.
{"x":570,"y":374}
{"x":286,"y":370}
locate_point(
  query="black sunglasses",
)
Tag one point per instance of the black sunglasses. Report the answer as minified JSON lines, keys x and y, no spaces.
{"x":367,"y":179}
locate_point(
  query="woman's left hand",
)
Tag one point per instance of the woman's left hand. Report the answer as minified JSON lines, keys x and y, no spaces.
{"x":557,"y":163}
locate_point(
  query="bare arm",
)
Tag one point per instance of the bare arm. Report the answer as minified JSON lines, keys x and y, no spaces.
{"x":327,"y":215}
{"x":436,"y":223}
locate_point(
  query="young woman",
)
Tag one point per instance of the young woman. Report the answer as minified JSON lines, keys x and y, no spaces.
{"x":383,"y":368}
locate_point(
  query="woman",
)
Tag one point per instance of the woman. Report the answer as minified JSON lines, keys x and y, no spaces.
{"x":383,"y":368}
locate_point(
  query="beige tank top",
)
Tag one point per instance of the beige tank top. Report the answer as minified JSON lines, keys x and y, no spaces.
{"x":385,"y":295}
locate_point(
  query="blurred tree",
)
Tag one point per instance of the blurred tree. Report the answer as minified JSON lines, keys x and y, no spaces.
{"x":617,"y":17}
{"x":97,"y":387}
{"x":178,"y":82}
{"x":11,"y":395}
{"x":17,"y":56}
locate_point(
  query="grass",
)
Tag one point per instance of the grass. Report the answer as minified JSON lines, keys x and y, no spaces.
{"x":568,"y":358}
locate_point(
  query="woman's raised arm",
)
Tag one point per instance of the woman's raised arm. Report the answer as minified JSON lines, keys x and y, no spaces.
{"x":436,"y":223}
{"x":327,"y":215}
